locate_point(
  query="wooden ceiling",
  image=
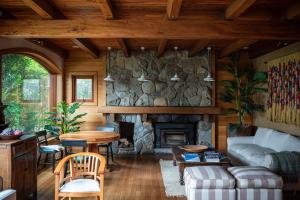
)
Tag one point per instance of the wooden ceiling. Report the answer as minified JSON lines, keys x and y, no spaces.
{"x":93,"y":25}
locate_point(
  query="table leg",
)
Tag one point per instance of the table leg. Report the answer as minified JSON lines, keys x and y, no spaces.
{"x":93,"y":148}
{"x":181,"y":171}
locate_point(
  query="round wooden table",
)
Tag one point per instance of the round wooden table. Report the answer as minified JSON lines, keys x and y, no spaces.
{"x":92,"y":137}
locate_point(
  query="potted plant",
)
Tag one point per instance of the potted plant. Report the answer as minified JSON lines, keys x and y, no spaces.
{"x":64,"y":119}
{"x":240,"y":91}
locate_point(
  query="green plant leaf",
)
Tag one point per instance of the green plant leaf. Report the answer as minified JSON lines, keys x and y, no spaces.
{"x":226,"y":97}
{"x":260,"y":77}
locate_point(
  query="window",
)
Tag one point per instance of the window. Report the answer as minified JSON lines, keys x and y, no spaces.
{"x":83,"y":88}
{"x":31,"y":91}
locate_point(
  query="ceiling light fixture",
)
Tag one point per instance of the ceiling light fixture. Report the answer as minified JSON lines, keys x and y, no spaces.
{"x":175,"y":78}
{"x":108,"y":77}
{"x":142,"y":77}
{"x":209,"y":78}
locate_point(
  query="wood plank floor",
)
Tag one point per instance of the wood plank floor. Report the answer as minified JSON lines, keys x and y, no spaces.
{"x":132,"y":178}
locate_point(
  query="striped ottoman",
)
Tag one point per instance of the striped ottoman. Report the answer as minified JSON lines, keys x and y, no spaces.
{"x":208,"y":183}
{"x":257,"y":183}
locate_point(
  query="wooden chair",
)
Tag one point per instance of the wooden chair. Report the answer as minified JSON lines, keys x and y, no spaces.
{"x":70,"y":144}
{"x":85,"y":176}
{"x":46,"y":149}
{"x":7,"y":194}
{"x":107,"y":146}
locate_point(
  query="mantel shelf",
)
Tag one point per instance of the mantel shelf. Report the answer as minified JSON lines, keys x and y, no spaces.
{"x":159,"y":110}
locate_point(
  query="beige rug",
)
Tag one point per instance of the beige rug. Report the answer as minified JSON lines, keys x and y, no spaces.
{"x":170,"y":176}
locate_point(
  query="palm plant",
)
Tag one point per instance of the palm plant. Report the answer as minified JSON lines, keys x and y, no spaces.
{"x":242,"y":88}
{"x":64,"y":120}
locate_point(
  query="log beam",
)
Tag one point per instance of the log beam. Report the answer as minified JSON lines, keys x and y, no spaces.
{"x":199,"y":46}
{"x":106,"y":9}
{"x":237,"y":7}
{"x":236,"y":46}
{"x":87,"y":46}
{"x":162,"y":47}
{"x":173,"y":9}
{"x":4,"y":14}
{"x":44,"y":9}
{"x":123,"y":46}
{"x":152,"y":29}
{"x":293,"y":11}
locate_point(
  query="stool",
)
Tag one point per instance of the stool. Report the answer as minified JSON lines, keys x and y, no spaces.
{"x":257,"y":183}
{"x":208,"y":183}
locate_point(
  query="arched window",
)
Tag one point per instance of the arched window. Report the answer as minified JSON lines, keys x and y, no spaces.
{"x":25,"y":92}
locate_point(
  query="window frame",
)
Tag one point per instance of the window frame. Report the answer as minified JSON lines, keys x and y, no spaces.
{"x":74,"y":88}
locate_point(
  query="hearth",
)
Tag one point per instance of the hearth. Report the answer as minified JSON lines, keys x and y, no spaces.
{"x":169,"y":134}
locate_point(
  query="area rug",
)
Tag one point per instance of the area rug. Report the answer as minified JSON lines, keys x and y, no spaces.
{"x":170,"y":176}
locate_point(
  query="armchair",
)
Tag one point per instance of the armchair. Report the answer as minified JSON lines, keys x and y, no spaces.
{"x":6,"y":194}
{"x":84,"y":178}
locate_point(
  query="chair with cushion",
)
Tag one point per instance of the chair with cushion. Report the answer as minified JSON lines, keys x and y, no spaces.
{"x":6,"y":194}
{"x":45,"y":148}
{"x":85,"y":177}
{"x":107,"y":146}
{"x":69,"y":146}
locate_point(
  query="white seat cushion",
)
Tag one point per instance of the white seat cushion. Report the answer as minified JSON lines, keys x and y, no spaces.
{"x":252,"y":154}
{"x":53,"y":147}
{"x":81,"y":185}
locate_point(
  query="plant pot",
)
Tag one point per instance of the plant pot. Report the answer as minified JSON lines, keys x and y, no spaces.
{"x":234,"y":130}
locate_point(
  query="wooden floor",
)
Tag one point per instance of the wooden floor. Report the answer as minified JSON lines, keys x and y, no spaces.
{"x":132,"y":178}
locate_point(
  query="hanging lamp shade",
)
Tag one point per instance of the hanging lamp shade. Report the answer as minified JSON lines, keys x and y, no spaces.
{"x":209,"y":78}
{"x":175,"y":78}
{"x":142,"y":77}
{"x":108,"y":77}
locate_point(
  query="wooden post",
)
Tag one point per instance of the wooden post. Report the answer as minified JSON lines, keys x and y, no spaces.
{"x":214,"y":129}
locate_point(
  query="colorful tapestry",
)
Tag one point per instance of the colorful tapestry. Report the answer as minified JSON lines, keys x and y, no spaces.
{"x":284,"y":91}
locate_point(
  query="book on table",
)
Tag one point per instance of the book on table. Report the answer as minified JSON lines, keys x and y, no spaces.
{"x":191,"y":157}
{"x":212,"y":156}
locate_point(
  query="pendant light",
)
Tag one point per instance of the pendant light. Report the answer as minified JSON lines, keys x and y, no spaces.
{"x":108,"y":77}
{"x":142,"y":77}
{"x":208,"y":78}
{"x":175,"y":78}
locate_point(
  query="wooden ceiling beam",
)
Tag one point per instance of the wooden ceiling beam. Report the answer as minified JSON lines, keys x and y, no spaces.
{"x":151,"y":29}
{"x":236,"y":46}
{"x":123,"y":46}
{"x":4,"y":14}
{"x":87,"y":46}
{"x":106,"y":9}
{"x":173,"y":9}
{"x":293,"y":11}
{"x":46,"y":44}
{"x":44,"y":9}
{"x":162,"y":47}
{"x":199,"y":46}
{"x":237,"y":7}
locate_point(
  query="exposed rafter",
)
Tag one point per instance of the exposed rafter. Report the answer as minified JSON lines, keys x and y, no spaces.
{"x":199,"y":46}
{"x":162,"y":47}
{"x":87,"y":46}
{"x":293,"y":11}
{"x":44,"y":9}
{"x":4,"y":14}
{"x":237,"y":7}
{"x":173,"y":9}
{"x":236,"y":46}
{"x":106,"y":9}
{"x":123,"y":46}
{"x":151,"y":29}
{"x":46,"y":44}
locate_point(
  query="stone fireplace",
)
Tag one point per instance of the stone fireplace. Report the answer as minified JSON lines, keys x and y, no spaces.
{"x":160,"y":91}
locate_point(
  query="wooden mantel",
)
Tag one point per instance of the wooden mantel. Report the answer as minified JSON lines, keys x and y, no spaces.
{"x":112,"y":110}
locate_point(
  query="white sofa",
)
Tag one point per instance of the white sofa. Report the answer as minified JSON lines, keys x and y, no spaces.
{"x":254,"y":150}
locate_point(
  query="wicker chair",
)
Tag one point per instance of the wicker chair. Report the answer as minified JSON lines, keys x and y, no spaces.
{"x":85,"y":177}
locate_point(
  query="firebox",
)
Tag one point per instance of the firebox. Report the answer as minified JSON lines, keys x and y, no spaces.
{"x":169,"y":134}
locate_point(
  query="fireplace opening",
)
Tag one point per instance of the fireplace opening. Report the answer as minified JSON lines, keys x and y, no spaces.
{"x":126,"y":130}
{"x":170,"y":134}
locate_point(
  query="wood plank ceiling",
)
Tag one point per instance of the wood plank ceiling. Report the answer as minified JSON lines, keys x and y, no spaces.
{"x":93,"y":25}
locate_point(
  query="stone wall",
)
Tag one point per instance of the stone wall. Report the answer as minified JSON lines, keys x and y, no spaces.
{"x":159,"y":91}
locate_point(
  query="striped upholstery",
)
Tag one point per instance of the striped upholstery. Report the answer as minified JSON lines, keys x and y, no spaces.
{"x":208,"y":177}
{"x":211,"y":194}
{"x":259,"y":194}
{"x":256,"y":177}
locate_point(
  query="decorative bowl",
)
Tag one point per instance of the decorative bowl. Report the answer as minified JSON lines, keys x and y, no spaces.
{"x":195,"y":148}
{"x":10,"y":137}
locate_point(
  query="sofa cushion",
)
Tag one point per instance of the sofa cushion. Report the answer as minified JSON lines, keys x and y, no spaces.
{"x":256,"y":177}
{"x":277,"y":140}
{"x":261,"y":136}
{"x":208,"y":177}
{"x":291,"y":143}
{"x":252,"y":154}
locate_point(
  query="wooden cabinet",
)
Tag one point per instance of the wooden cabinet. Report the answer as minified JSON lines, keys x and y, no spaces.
{"x":18,"y":166}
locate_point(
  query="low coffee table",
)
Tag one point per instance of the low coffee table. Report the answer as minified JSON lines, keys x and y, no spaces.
{"x":177,"y":152}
